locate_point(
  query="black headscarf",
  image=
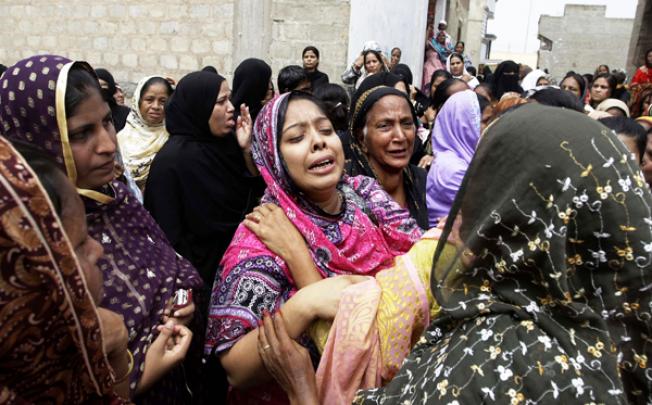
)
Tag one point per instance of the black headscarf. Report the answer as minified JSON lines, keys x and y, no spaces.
{"x":414,"y":178}
{"x":505,"y":79}
{"x":250,"y":84}
{"x":198,"y":188}
{"x":542,"y":273}
{"x":119,"y":112}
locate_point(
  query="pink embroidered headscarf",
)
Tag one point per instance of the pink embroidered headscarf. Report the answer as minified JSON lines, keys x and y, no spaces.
{"x":364,"y":239}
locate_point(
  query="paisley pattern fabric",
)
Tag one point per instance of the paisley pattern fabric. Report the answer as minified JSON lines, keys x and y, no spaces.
{"x":364,"y":238}
{"x":547,"y":299}
{"x":141,"y":270}
{"x":50,"y":337}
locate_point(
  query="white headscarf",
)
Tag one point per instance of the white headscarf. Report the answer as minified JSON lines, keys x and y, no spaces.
{"x":530,"y":80}
{"x":473,"y":83}
{"x":139,"y":142}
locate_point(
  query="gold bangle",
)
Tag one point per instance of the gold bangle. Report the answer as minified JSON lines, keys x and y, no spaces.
{"x":129,"y":369}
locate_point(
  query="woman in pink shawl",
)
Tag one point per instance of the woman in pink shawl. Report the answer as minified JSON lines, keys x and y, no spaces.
{"x":350,"y":225}
{"x":454,"y":139}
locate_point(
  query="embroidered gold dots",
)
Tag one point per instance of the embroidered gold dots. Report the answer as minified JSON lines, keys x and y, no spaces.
{"x":51,"y":111}
{"x":21,"y":85}
{"x":45,"y":70}
{"x":43,"y":59}
{"x":32,"y":77}
{"x":30,"y":102}
{"x":5,"y":83}
{"x":51,"y":84}
{"x":29,"y":64}
{"x":39,"y":94}
{"x":16,"y":71}
{"x":12,"y":96}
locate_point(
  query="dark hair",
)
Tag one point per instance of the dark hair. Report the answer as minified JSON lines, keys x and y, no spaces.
{"x":436,"y":75}
{"x":310,"y":48}
{"x":458,"y":56}
{"x":442,"y":94}
{"x":557,"y":98}
{"x":377,"y":54}
{"x":610,"y":80}
{"x":210,"y":69}
{"x":2,"y":69}
{"x":336,"y":102}
{"x":579,"y":79}
{"x":630,"y":128}
{"x":395,"y":48}
{"x":290,"y":77}
{"x":49,"y":174}
{"x":460,"y":42}
{"x":283,"y":108}
{"x":155,"y":80}
{"x":598,"y":68}
{"x":472,"y":70}
{"x":588,"y":79}
{"x":620,"y":76}
{"x":488,"y":88}
{"x":81,"y":84}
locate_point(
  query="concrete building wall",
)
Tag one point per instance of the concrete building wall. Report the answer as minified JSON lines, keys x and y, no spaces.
{"x":136,"y":38}
{"x":583,"y":39}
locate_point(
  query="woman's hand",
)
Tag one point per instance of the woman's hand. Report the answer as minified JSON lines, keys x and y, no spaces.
{"x":270,"y":224}
{"x":426,"y":161}
{"x":168,"y":350}
{"x":321,"y":299}
{"x":181,"y":316}
{"x":243,"y":128}
{"x":287,"y":361}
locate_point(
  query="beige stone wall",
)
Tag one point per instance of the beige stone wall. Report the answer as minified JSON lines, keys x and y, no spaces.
{"x":131,"y":38}
{"x":136,"y":38}
{"x":583,"y":39}
{"x":299,"y":23}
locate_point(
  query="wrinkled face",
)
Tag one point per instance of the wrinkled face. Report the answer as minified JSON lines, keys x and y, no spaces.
{"x":459,"y":48}
{"x":388,"y":137}
{"x":457,"y":66}
{"x":600,"y":90}
{"x":311,"y":150}
{"x":93,"y":141}
{"x":87,"y":249}
{"x":570,"y":84}
{"x":152,"y":103}
{"x":646,"y":166}
{"x":396,"y":57}
{"x":310,"y":60}
{"x":371,"y":63}
{"x":222,"y":121}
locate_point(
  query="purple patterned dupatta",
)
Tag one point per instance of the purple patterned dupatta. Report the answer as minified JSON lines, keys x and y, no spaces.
{"x":141,"y":270}
{"x":371,"y":230}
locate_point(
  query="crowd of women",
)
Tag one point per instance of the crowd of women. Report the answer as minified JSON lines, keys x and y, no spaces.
{"x":471,"y":239}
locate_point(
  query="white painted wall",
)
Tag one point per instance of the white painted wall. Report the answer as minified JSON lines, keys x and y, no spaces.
{"x":391,"y":23}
